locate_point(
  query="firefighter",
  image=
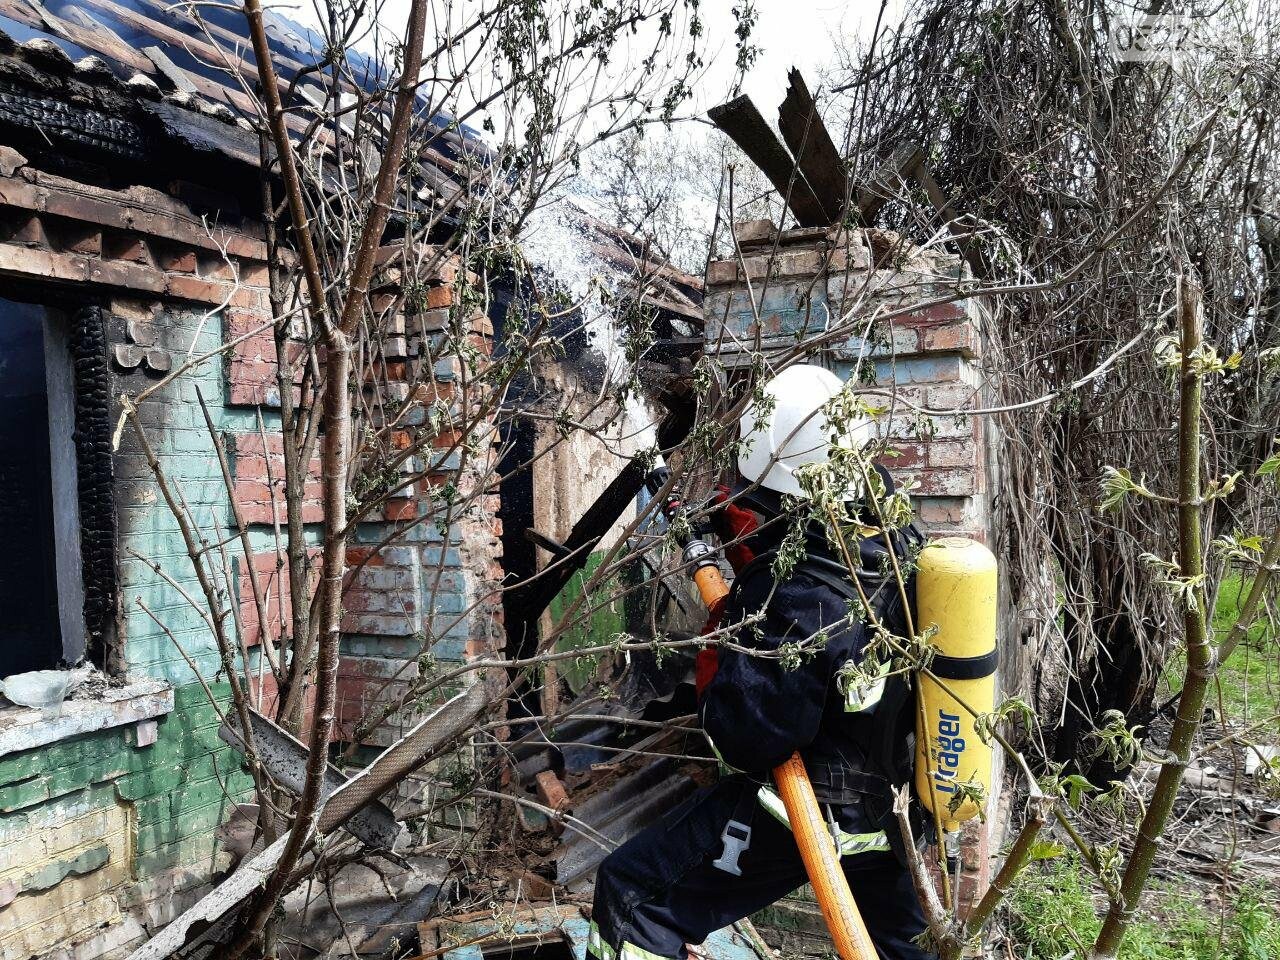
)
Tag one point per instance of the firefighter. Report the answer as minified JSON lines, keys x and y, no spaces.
{"x":727,"y":851}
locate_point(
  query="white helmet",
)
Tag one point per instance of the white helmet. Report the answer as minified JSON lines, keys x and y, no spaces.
{"x":795,"y":432}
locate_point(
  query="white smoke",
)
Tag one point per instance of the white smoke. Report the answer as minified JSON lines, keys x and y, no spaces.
{"x":556,"y":240}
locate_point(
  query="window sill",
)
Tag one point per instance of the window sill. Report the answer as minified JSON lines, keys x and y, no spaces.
{"x":24,"y":728}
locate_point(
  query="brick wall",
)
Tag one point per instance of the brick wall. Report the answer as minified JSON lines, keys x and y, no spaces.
{"x":430,"y":600}
{"x":804,"y":283}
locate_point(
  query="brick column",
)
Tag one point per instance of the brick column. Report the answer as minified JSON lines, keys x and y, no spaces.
{"x":795,"y":286}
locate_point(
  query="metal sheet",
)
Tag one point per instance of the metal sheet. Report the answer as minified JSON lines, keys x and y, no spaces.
{"x":580,"y":856}
{"x":285,"y":758}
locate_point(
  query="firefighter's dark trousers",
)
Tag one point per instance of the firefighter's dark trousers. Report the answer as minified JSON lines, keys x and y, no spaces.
{"x":659,"y":891}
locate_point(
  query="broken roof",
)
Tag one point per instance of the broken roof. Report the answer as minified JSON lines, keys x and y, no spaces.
{"x":187,"y":72}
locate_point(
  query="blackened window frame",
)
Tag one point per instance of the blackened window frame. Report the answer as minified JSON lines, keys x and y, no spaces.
{"x":100,"y":574}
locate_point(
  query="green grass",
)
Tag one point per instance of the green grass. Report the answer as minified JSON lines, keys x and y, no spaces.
{"x":1248,"y":685}
{"x":1250,"y":681}
{"x":1051,"y":914}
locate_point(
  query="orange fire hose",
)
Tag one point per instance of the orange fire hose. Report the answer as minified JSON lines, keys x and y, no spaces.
{"x":822,"y":862}
{"x":817,"y":846}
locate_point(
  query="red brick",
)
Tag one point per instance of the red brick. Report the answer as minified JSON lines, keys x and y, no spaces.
{"x":446,"y":438}
{"x":273,"y":579}
{"x":215,"y":267}
{"x":907,"y":455}
{"x":258,"y":511}
{"x":722,"y":272}
{"x":178,"y":261}
{"x":946,"y":510}
{"x":126,"y":246}
{"x":439,"y":297}
{"x":265,"y":693}
{"x":122,"y":273}
{"x":904,"y":340}
{"x":430,"y":392}
{"x":952,"y":453}
{"x":551,"y":791}
{"x":954,"y":482}
{"x":939,"y":313}
{"x":400,"y":510}
{"x":254,"y":273}
{"x":144,"y":310}
{"x":194,"y":288}
{"x":30,"y":232}
{"x":755,"y":231}
{"x":959,"y":337}
{"x":366,"y":556}
{"x":953,"y":396}
{"x":249,"y":298}
{"x":240,"y":322}
{"x":252,"y":491}
{"x":81,"y":239}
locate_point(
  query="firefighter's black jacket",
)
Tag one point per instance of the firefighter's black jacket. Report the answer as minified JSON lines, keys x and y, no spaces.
{"x":758,"y":710}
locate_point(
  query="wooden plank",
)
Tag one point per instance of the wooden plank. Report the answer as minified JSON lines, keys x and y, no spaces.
{"x":225,"y":39}
{"x":740,"y":119}
{"x":651,"y":270}
{"x":177,"y":76}
{"x":23,"y":12}
{"x":968,"y":249}
{"x":217,"y":57}
{"x":183,"y":41}
{"x":129,"y":209}
{"x":888,"y":180}
{"x":806,"y":136}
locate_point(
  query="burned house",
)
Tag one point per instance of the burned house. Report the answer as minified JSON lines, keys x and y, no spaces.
{"x":129,"y":245}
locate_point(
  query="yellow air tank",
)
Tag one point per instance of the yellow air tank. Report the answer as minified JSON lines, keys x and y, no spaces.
{"x":956,"y":591}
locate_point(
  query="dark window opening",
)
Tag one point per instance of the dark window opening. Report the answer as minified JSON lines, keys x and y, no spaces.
{"x":45,"y":355}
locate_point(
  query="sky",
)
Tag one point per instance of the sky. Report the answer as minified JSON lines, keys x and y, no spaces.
{"x":788,"y":32}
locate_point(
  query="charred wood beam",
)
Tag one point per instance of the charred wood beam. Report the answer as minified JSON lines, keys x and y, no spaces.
{"x":58,"y":122}
{"x":905,"y":164}
{"x":816,"y":155}
{"x":536,"y":594}
{"x":95,"y":479}
{"x":553,"y":547}
{"x":740,"y":119}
